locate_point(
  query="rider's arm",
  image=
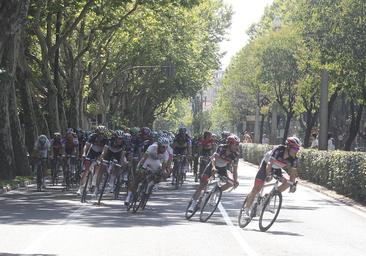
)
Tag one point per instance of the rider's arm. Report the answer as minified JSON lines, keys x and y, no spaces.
{"x":105,"y":150}
{"x":86,"y":148}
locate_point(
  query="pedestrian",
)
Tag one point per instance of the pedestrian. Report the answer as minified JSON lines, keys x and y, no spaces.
{"x":265,"y":139}
{"x":314,"y":142}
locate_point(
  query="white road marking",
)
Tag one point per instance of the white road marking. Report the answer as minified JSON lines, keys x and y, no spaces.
{"x":235,"y":232}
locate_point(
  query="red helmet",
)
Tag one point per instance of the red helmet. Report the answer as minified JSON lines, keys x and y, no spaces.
{"x":293,"y":142}
{"x":233,"y":139}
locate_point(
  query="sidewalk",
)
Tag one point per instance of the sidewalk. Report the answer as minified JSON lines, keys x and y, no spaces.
{"x":341,"y":198}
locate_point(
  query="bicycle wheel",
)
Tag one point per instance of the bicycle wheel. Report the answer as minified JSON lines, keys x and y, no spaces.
{"x":270,"y":210}
{"x":39,"y":177}
{"x":139,"y":198}
{"x":210,"y":204}
{"x":188,"y":214}
{"x":132,"y":201}
{"x":117,"y":186}
{"x":104,"y":181}
{"x":242,"y":221}
{"x":85,"y":189}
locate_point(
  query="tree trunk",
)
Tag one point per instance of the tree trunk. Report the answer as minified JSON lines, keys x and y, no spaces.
{"x":354,"y":126}
{"x":287,"y":126}
{"x":28,"y":116}
{"x":12,"y":17}
{"x":310,"y":122}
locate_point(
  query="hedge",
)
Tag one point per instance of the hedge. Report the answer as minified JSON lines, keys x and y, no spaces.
{"x":341,"y":171}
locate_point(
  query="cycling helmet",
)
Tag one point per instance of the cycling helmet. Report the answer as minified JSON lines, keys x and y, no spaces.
{"x":233,"y":140}
{"x":100,"y":129}
{"x":42,"y":139}
{"x":69,"y":130}
{"x":127,"y":137}
{"x":57,"y":135}
{"x":155,"y":135}
{"x":119,"y":134}
{"x":134,"y":130}
{"x":163,"y":141}
{"x":293,"y":142}
{"x":225,"y":134}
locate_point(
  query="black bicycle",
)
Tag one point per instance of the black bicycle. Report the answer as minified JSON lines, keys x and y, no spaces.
{"x":106,"y":175}
{"x":266,"y":206}
{"x":41,"y":165}
{"x":89,"y":165}
{"x":179,"y":174}
{"x":144,"y":189}
{"x":70,"y":170}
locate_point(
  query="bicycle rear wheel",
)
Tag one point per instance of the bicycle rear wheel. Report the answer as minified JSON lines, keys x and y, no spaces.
{"x":271,"y":209}
{"x":210,"y":204}
{"x":242,"y":221}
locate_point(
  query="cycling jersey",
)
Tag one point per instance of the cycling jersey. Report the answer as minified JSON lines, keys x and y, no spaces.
{"x":113,"y":152}
{"x":155,"y":159}
{"x":207,"y":146}
{"x":276,"y":156}
{"x":224,"y":157}
{"x":181,"y":143}
{"x":70,"y":145}
{"x":56,"y":147}
{"x":42,"y":151}
{"x":98,"y":142}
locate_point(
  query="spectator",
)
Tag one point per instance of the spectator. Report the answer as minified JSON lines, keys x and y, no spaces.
{"x":314,"y":142}
{"x":247,"y":138}
{"x":331,"y":145}
{"x":265,"y":139}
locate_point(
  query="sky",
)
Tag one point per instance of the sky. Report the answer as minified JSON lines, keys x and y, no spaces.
{"x":246,"y":12}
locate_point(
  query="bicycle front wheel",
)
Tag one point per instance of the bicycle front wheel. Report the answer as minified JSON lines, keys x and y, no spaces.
{"x":189,"y":214}
{"x":270,"y":210}
{"x":210,"y":204}
{"x":242,"y":220}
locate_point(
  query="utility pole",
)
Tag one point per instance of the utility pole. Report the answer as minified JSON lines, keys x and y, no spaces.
{"x":323,"y":136}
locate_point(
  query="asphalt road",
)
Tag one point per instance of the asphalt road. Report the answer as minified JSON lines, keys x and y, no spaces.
{"x":56,"y":223}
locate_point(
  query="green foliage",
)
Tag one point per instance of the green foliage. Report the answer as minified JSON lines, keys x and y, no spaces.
{"x":343,"y":172}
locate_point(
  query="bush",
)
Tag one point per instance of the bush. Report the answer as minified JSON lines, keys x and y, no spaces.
{"x":341,"y":171}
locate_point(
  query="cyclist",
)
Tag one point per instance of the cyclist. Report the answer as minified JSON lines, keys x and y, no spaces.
{"x":113,"y":150}
{"x":206,"y":149}
{"x":41,"y":151}
{"x":224,"y":136}
{"x":182,"y":146}
{"x":195,"y":155}
{"x":223,"y":160}
{"x":92,"y":150}
{"x":154,"y":159}
{"x":282,"y":156}
{"x":56,"y":148}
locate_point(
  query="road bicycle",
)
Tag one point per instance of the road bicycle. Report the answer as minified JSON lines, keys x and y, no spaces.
{"x":144,"y":189}
{"x":209,"y":198}
{"x":41,"y":166}
{"x":89,"y":165}
{"x":179,"y":174}
{"x":266,"y":206}
{"x":70,"y":170}
{"x":106,"y":176}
